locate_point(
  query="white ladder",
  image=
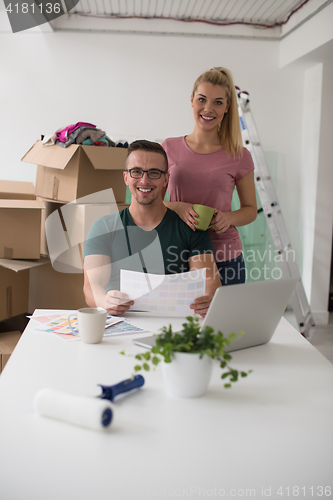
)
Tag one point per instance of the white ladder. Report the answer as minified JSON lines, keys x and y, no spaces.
{"x":272,"y":211}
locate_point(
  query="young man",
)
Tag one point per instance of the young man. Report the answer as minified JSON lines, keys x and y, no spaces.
{"x":147,"y":236}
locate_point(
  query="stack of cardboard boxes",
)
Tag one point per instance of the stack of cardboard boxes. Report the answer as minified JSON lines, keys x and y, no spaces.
{"x":20,"y":232}
{"x":33,"y":276}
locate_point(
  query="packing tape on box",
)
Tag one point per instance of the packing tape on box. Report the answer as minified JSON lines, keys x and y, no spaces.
{"x":9,"y":301}
{"x":91,"y":413}
{"x":55,"y":188}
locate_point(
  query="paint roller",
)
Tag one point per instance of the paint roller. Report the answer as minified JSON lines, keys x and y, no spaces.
{"x":92,"y":413}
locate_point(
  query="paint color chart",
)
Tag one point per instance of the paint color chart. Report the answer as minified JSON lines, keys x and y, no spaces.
{"x":58,"y":324}
{"x":171,"y":293}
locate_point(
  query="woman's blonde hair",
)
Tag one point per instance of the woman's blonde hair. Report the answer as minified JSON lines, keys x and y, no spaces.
{"x":229,"y":129}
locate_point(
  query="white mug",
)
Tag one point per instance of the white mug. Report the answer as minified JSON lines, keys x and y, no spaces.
{"x":91,"y":324}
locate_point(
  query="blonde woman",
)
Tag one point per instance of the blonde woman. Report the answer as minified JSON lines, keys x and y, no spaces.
{"x":206,"y":165}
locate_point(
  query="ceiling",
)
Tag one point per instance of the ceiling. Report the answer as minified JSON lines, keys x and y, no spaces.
{"x":215,"y":18}
{"x":259,"y":13}
{"x":272,"y":19}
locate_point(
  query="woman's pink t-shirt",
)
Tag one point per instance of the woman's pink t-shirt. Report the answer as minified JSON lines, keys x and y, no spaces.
{"x":207,"y":179}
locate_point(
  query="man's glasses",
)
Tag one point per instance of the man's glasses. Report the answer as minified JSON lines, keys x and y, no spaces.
{"x":137,"y":173}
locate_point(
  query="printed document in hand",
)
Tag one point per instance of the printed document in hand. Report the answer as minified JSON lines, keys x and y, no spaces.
{"x":160,"y":293}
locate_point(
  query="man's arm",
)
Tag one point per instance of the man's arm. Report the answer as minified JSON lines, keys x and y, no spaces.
{"x":201,"y":304}
{"x":97,"y":272}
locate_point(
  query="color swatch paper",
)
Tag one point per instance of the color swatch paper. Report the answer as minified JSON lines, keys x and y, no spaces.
{"x":170,"y":294}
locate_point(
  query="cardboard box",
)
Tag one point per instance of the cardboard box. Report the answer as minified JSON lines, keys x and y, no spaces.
{"x":66,"y":174}
{"x":14,"y":286}
{"x":14,"y":292}
{"x":20,"y":219}
{"x":65,"y":228}
{"x":50,"y":289}
{"x":8,"y":341}
{"x":17,"y":190}
{"x":16,"y":323}
{"x":20,"y":223}
{"x":29,"y":285}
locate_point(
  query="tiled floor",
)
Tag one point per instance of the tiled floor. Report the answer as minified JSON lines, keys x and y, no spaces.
{"x":321,"y":336}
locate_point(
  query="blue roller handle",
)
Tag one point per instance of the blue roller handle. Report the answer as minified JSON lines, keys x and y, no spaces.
{"x":111,"y":391}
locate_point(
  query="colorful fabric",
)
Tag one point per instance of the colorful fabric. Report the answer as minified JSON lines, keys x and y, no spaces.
{"x":62,"y":135}
{"x":92,"y":134}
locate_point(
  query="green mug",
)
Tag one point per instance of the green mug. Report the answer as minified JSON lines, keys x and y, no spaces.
{"x":205,"y":215}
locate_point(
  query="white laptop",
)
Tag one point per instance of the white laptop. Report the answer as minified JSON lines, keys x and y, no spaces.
{"x":253,"y":308}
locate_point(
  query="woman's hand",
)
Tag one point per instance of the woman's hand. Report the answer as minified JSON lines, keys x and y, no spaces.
{"x":220,"y":221}
{"x":186,"y":213}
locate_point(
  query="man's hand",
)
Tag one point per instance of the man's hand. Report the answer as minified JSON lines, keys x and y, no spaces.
{"x":201,"y":304}
{"x":117,"y":303}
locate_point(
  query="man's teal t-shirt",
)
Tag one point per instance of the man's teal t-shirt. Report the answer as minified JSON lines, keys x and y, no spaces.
{"x":163,"y":250}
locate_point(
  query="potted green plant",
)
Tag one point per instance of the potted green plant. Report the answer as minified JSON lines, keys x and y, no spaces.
{"x":188,"y":358}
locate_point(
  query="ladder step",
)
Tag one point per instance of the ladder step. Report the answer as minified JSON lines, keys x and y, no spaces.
{"x":263,"y":178}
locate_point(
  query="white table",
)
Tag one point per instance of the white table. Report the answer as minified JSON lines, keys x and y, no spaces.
{"x":268,"y":436}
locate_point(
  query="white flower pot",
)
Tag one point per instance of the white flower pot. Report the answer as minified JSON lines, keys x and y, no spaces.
{"x":187,"y":375}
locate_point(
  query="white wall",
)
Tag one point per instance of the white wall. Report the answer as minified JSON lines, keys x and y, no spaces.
{"x":312,"y":98}
{"x":322,"y":252}
{"x":307,"y":37}
{"x":310,"y":48}
{"x":138,"y":86}
{"x":128,"y":85}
